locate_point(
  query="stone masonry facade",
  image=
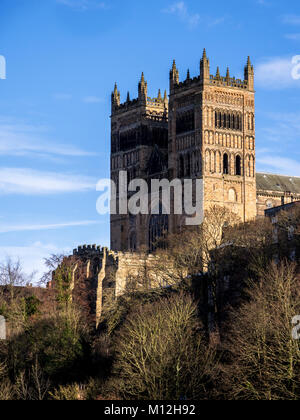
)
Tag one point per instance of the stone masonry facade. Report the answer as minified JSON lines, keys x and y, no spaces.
{"x":204,"y":130}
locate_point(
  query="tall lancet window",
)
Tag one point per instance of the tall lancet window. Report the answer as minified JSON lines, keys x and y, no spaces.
{"x":225,"y":164}
{"x":238,"y":166}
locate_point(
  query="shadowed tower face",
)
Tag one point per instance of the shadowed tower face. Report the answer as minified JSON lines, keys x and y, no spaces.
{"x":205,"y":131}
{"x":139,"y":145}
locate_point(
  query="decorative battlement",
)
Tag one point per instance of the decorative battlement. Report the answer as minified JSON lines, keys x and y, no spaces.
{"x":232,"y":82}
{"x":206,"y":78}
{"x":86,"y":250}
{"x":188,"y":82}
{"x":160,"y":103}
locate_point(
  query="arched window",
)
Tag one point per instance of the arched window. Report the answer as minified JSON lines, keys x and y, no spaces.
{"x":188,"y":165}
{"x":181,"y":167}
{"x":238,"y":122}
{"x":223,"y":124}
{"x":238,"y":166}
{"x":158,"y":229}
{"x":132,"y":241}
{"x":225,"y":164}
{"x":232,"y":195}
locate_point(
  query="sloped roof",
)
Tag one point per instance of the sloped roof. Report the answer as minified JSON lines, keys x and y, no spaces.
{"x":278,"y":183}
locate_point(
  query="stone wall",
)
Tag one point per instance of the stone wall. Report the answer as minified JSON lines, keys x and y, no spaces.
{"x":99,"y":274}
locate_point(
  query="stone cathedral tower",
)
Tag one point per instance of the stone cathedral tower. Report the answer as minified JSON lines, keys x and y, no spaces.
{"x":212,"y":136}
{"x":206,"y":130}
{"x":139,"y":145}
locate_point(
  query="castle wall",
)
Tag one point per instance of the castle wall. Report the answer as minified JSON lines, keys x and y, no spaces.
{"x":100,"y":276}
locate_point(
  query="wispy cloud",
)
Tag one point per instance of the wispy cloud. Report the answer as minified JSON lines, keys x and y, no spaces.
{"x":62,"y":96}
{"x":83,"y":5}
{"x":263,"y":2}
{"x":17,"y":139}
{"x":293,"y":37}
{"x":53,"y":226}
{"x":31,"y":182}
{"x":278,"y":164}
{"x":92,"y":100}
{"x":275,"y":73}
{"x":181,"y":10}
{"x":273,"y":156}
{"x":291,"y":19}
{"x":281,"y":125}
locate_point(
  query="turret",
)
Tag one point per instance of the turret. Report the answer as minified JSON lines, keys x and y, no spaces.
{"x":204,"y":68}
{"x":227,"y":76}
{"x":143,"y":89}
{"x":159,"y":97}
{"x":115,"y":98}
{"x":174,"y":76}
{"x":249,"y":74}
{"x":166,"y":99}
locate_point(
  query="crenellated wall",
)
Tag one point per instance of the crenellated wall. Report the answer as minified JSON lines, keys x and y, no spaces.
{"x":98,"y":272}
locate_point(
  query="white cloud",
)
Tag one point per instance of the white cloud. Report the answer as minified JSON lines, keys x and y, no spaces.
{"x":281,"y":125}
{"x":293,"y":37}
{"x":215,"y":21}
{"x":279,"y":164}
{"x":31,"y":182}
{"x":180,"y":9}
{"x":263,"y":3}
{"x":18,"y":139}
{"x":275,"y":73}
{"x":291,"y":19}
{"x":53,"y":226}
{"x":83,"y":5}
{"x":62,"y":96}
{"x":92,"y":100}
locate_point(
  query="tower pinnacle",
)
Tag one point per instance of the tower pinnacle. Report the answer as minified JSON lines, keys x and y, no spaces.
{"x":204,"y":68}
{"x":143,"y":89}
{"x":249,"y":74}
{"x":174,"y":76}
{"x":115,"y":97}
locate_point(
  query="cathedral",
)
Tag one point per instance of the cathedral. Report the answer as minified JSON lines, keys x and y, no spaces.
{"x":204,"y":129}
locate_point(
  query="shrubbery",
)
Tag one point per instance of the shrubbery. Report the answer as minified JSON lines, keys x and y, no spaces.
{"x":168,"y":343}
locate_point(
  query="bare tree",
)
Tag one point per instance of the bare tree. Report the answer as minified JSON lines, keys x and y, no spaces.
{"x":161,"y":354}
{"x":265,"y":359}
{"x":12,"y":275}
{"x":52,"y":263}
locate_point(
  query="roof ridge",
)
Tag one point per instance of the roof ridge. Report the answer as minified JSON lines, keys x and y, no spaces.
{"x":270,"y":173}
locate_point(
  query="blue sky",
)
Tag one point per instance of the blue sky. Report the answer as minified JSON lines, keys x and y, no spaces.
{"x":63,"y":57}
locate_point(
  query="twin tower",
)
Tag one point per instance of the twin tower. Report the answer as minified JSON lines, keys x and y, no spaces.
{"x":205,"y":130}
